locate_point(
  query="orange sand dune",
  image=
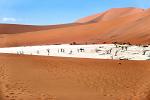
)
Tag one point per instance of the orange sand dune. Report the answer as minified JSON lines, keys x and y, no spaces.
{"x":50,"y":78}
{"x":16,"y":28}
{"x":110,"y":14}
{"x":115,"y":25}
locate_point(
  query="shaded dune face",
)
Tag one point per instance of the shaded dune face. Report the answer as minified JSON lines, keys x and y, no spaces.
{"x":50,"y":78}
{"x":16,"y":28}
{"x":115,"y":25}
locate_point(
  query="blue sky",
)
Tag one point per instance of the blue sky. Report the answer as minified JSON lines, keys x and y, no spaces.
{"x":44,"y":12}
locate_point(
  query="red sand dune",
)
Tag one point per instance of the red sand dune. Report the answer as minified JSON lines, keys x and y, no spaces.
{"x":115,"y":25}
{"x":50,"y":78}
{"x":16,"y":28}
{"x":110,"y":14}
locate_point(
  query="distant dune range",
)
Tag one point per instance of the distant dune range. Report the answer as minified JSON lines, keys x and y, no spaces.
{"x":115,"y":25}
{"x":16,"y":28}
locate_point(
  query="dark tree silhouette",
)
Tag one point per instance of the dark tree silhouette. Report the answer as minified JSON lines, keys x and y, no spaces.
{"x":82,"y":50}
{"x":48,"y":51}
{"x":116,"y":53}
{"x":122,"y":47}
{"x":97,"y":50}
{"x":126,"y":48}
{"x":62,"y":50}
{"x":71,"y":52}
{"x":144,"y":51}
{"x":38,"y":52}
{"x":73,"y":43}
{"x":21,"y":52}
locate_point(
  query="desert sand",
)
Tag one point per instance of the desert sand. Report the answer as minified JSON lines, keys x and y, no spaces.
{"x":18,"y":28}
{"x":115,"y":25}
{"x":53,"y":78}
{"x":49,"y":78}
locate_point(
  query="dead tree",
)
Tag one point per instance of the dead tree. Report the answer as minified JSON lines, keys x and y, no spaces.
{"x":73,"y":43}
{"x":38,"y":52}
{"x":110,"y":50}
{"x":48,"y":51}
{"x":81,"y":49}
{"x":122,"y":47}
{"x":116,"y":53}
{"x":62,"y":50}
{"x":21,"y":52}
{"x":97,"y":50}
{"x":144,"y":51}
{"x":126,"y":48}
{"x":107,"y":52}
{"x":71,"y":52}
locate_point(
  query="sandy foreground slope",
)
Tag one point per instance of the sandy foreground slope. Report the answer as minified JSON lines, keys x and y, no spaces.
{"x":49,"y":78}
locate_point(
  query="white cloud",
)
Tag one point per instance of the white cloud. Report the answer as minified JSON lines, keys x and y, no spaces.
{"x":8,"y":19}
